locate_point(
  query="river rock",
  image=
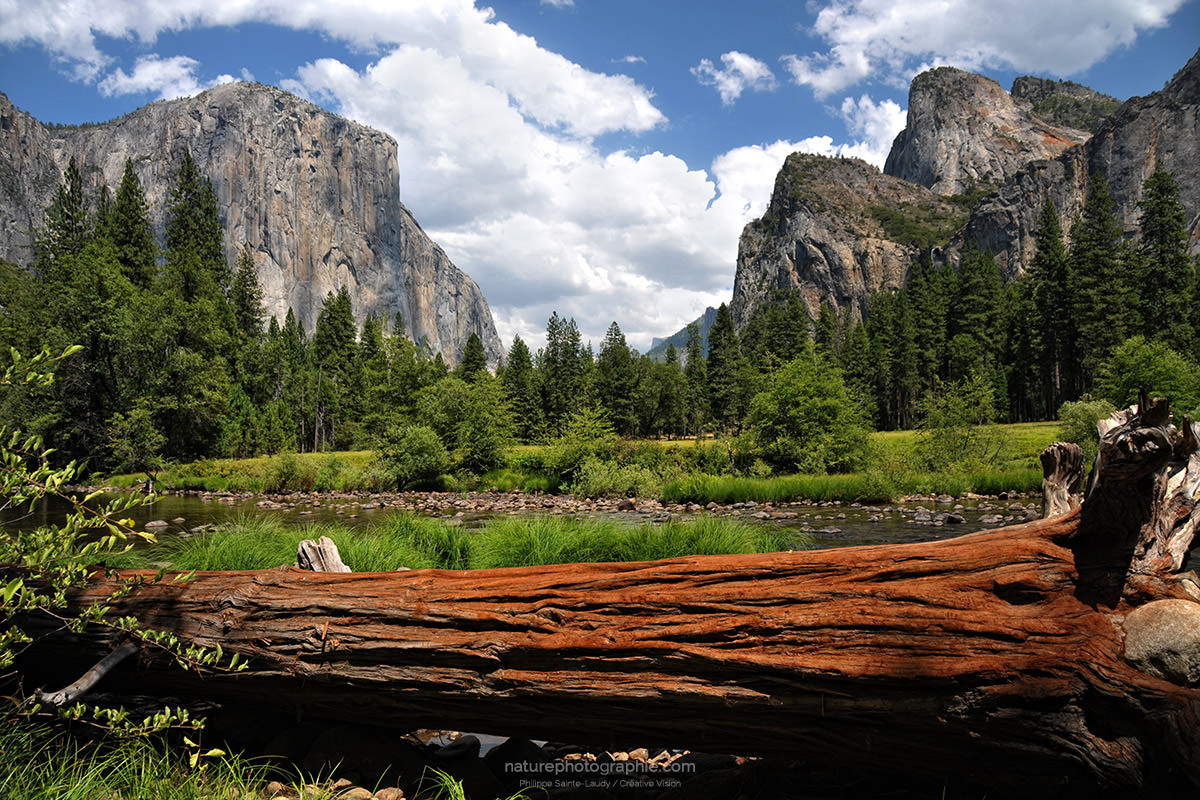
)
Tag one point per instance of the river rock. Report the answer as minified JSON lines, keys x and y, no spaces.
{"x":1163,"y":639}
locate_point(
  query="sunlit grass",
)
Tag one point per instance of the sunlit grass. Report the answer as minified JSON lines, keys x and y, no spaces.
{"x":424,"y":543}
{"x":38,"y":762}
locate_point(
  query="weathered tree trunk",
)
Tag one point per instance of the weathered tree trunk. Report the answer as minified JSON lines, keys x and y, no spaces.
{"x":998,"y":656}
{"x":1062,"y":478}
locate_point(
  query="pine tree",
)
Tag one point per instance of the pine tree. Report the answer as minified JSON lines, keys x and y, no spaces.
{"x":695,"y":373}
{"x":827,"y":336}
{"x":616,"y":380}
{"x":1104,"y":302}
{"x":894,"y":355}
{"x":726,"y":390}
{"x":473,"y":360}
{"x":1051,"y":325}
{"x":563,"y":367}
{"x":930,"y":293}
{"x":194,"y":323}
{"x":131,"y":232}
{"x":247,"y":297}
{"x":521,"y":389}
{"x":1166,"y":274}
{"x":196,"y":263}
{"x":858,"y":370}
{"x":777,"y":330}
{"x":978,"y":309}
{"x":69,"y":225}
{"x":335,"y":357}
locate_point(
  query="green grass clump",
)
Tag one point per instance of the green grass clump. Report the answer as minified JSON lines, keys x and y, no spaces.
{"x":557,"y":540}
{"x":267,"y":542}
{"x":40,"y":762}
{"x":424,"y":543}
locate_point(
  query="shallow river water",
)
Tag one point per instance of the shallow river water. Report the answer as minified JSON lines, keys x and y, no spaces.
{"x":823,"y":525}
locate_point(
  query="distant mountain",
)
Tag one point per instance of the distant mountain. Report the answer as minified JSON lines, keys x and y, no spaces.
{"x":963,"y":131}
{"x":658,"y":347}
{"x":314,"y":195}
{"x":974,"y":164}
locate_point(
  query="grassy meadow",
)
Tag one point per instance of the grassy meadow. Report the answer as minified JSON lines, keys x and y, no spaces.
{"x":678,"y":471}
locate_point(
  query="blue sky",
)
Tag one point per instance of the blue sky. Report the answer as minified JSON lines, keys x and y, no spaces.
{"x":594,"y":157}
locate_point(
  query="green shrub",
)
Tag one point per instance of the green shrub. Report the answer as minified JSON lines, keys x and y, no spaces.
{"x":412,"y":454}
{"x":1138,"y":364}
{"x":600,"y":478}
{"x":473,"y":420}
{"x":331,"y":476}
{"x":1078,"y":424}
{"x":586,"y":434}
{"x":806,"y":421}
{"x":287,"y":472}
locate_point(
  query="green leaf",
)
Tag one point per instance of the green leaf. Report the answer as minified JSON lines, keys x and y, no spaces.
{"x":10,"y":591}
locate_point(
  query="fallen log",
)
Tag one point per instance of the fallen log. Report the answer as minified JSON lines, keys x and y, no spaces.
{"x":1059,"y":653}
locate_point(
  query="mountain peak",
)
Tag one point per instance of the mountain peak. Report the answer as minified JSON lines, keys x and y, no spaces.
{"x":965,"y":131}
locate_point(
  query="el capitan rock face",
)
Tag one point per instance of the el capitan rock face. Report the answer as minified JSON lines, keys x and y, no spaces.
{"x":315,"y":196}
{"x":964,"y":130}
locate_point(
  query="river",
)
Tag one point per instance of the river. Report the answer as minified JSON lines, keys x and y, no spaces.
{"x":823,"y":525}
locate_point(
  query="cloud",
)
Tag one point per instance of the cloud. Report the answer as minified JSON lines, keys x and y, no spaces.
{"x":629,"y":60}
{"x":738,"y":73}
{"x":169,"y":77}
{"x":541,"y":219}
{"x":558,"y":3}
{"x":875,"y":124}
{"x":888,"y":40}
{"x":545,"y":86}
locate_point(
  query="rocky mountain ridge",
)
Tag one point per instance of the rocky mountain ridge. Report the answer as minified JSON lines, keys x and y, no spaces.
{"x":964,"y":130}
{"x":1158,"y":131}
{"x":314,"y":195}
{"x":1065,"y":103}
{"x":836,"y":230}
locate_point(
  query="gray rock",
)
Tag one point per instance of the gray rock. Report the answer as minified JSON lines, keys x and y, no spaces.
{"x":1158,"y":131}
{"x":314,"y":195}
{"x":948,"y":145}
{"x":1163,"y":639}
{"x":821,"y":238}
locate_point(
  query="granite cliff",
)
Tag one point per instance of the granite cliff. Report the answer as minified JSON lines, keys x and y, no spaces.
{"x":963,"y":130}
{"x":1159,"y":131}
{"x":836,"y":230}
{"x":315,"y":196}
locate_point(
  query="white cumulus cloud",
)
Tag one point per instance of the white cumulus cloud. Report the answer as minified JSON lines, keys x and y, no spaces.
{"x":889,"y":39}
{"x":737,"y":73}
{"x":168,"y":77}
